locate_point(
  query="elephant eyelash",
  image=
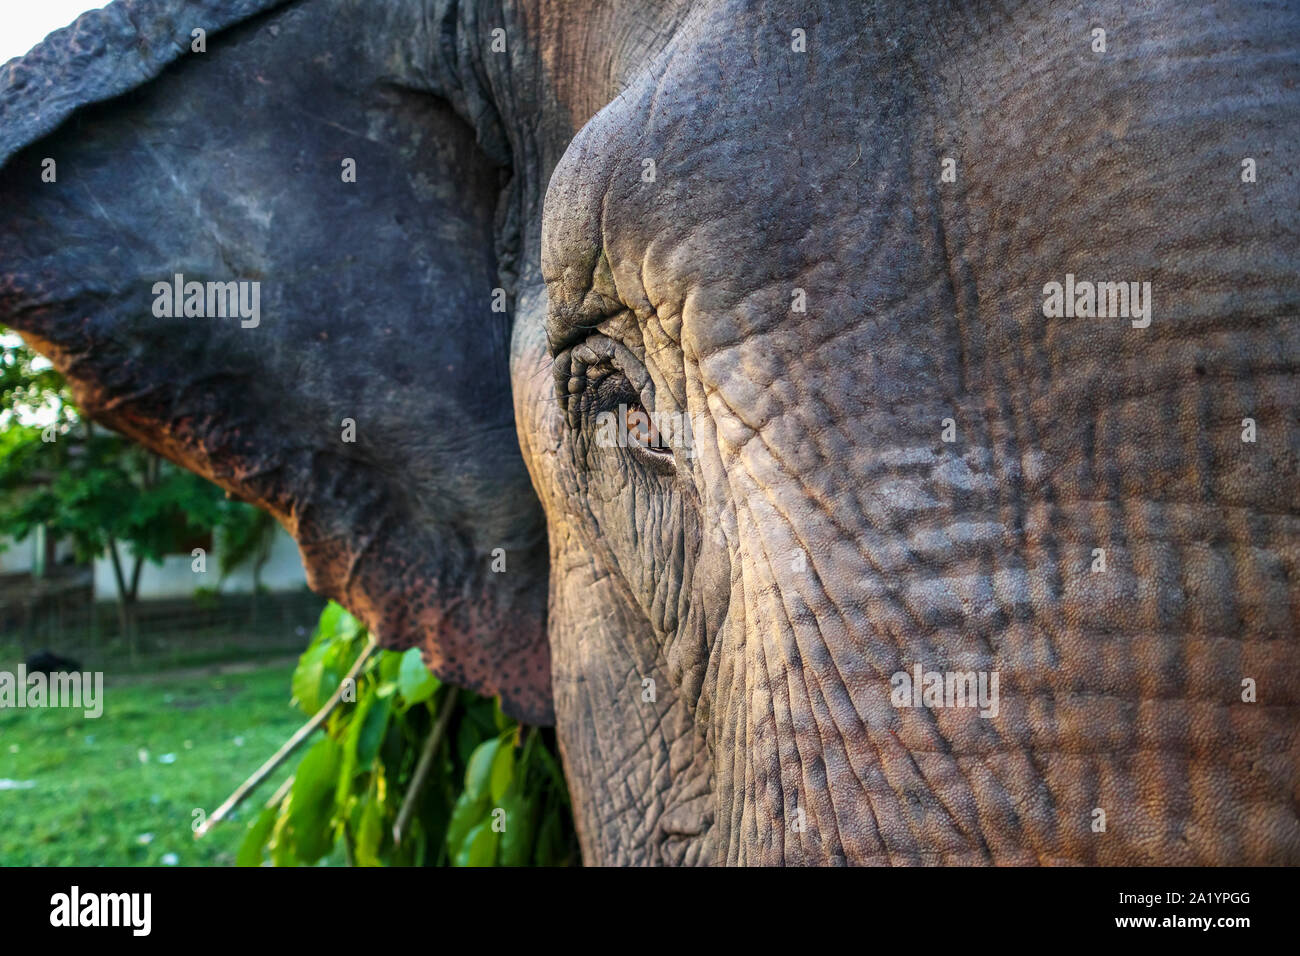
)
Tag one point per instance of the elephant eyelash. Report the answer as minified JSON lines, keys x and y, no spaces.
{"x":610,"y":388}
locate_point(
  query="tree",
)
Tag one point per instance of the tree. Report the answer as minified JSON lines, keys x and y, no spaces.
{"x":247,"y":536}
{"x":100,"y":491}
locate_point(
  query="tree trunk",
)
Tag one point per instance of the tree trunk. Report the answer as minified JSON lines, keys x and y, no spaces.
{"x":132,"y":603}
{"x":125,"y":597}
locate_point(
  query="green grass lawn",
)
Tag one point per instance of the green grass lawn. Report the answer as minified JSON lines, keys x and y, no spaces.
{"x":122,"y":789}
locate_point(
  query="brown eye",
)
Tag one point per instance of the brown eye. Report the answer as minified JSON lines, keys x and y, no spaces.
{"x":641,"y":431}
{"x":639,"y":427}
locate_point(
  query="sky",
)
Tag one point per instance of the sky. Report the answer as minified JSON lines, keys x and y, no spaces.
{"x":24,"y":23}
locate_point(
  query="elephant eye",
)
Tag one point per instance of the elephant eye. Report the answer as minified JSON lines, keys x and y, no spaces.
{"x":641,"y":431}
{"x":605,"y":405}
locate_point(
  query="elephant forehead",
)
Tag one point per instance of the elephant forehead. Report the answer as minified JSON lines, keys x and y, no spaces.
{"x":740,"y":188}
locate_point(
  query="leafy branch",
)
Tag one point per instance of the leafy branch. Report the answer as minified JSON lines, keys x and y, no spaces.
{"x":408,"y":771}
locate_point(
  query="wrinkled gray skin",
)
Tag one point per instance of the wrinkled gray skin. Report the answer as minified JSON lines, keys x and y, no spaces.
{"x":821,"y":536}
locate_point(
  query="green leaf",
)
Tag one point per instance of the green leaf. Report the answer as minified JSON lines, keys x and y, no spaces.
{"x":281,"y":854}
{"x":337,"y":624}
{"x":309,"y":678}
{"x":327,"y":659}
{"x":390,"y":665}
{"x":258,"y":832}
{"x":328,"y":622}
{"x":366,"y":732}
{"x":310,"y":830}
{"x":503,"y":771}
{"x":414,"y":680}
{"x":479,"y":770}
{"x":517,"y":838}
{"x":370,"y":834}
{"x":466,"y":814}
{"x":362,"y":739}
{"x":480,"y":847}
{"x":499,"y":718}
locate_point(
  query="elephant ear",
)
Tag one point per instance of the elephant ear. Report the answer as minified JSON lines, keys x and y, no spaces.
{"x":365,"y":400}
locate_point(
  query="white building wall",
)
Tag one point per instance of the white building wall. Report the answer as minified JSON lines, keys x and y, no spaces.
{"x":17,"y":556}
{"x":176,"y":578}
{"x":20,"y":556}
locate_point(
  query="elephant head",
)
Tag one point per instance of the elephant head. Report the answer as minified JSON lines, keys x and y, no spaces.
{"x":869,"y":430}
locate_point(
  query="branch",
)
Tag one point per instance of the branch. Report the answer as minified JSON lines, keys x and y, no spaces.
{"x":117,"y":569}
{"x":289,"y":746}
{"x":281,"y":792}
{"x":135,"y":578}
{"x":422,"y":768}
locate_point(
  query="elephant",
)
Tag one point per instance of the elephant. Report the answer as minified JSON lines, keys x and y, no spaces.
{"x":867,"y":431}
